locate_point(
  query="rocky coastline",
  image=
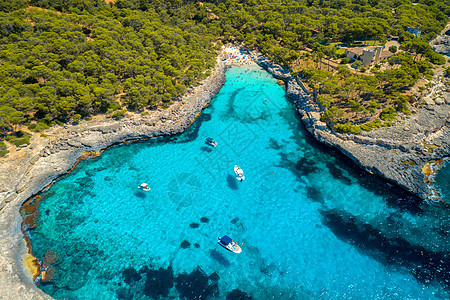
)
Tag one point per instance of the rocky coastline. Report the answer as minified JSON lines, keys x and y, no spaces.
{"x":27,"y":171}
{"x":397,"y":153}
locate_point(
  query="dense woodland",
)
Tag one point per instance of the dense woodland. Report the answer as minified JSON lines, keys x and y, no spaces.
{"x":65,"y":60}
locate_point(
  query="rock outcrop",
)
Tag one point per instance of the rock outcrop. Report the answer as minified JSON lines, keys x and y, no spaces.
{"x":441,"y":44}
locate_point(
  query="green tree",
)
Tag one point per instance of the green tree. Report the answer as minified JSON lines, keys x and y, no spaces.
{"x":332,"y":115}
{"x":324,"y":101}
{"x":16,"y":118}
{"x":393,"y":49}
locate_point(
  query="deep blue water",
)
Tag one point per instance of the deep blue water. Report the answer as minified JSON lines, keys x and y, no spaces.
{"x":311,"y":225}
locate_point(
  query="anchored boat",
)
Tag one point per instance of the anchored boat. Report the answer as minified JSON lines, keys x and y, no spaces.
{"x":239,"y":173}
{"x":211,"y":142}
{"x":144,"y":187}
{"x":229,"y":244}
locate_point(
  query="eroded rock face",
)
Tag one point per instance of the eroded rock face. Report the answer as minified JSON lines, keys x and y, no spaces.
{"x":441,"y":44}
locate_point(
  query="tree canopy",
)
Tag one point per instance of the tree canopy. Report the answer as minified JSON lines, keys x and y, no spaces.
{"x":66,"y":60}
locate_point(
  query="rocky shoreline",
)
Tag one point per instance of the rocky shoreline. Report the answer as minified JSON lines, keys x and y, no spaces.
{"x":26,"y":171}
{"x":397,"y":154}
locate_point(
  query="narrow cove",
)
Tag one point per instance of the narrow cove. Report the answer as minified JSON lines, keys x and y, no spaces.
{"x":312,"y":225}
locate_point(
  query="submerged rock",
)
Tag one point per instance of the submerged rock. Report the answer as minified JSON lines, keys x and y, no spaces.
{"x":237,"y":294}
{"x":194,"y":225}
{"x":185,"y":244}
{"x":130,"y":275}
{"x":196,"y":285}
{"x":159,"y":282}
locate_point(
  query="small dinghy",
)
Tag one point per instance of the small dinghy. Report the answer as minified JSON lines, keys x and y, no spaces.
{"x":144,"y":187}
{"x":239,"y":173}
{"x":211,"y":142}
{"x":229,"y":244}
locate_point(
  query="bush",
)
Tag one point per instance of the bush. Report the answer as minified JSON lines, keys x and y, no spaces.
{"x":118,"y":114}
{"x":447,"y":72}
{"x":357,"y":64}
{"x":38,"y":127}
{"x":374,"y":104}
{"x":366,"y":127}
{"x":332,"y":115}
{"x":388,"y":113}
{"x":355,"y":105}
{"x":393,"y":49}
{"x":113,"y":105}
{"x":19,"y":138}
{"x":56,"y":122}
{"x":347,"y":128}
{"x":435,"y":58}
{"x":345,"y":60}
{"x":371,"y":125}
{"x":402,"y":104}
{"x":323,"y":101}
{"x":3,"y":149}
{"x":32,"y":127}
{"x":76,"y":117}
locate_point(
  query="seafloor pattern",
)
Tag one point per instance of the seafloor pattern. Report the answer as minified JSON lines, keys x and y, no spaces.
{"x":311,"y":225}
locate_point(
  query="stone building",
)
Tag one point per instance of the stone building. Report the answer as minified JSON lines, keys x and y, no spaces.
{"x":367,"y":55}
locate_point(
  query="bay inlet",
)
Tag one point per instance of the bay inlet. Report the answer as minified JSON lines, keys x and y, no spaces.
{"x":309,"y":222}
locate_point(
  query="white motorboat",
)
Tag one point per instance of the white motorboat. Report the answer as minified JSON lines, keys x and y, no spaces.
{"x":144,"y":187}
{"x":211,"y":142}
{"x":239,"y":173}
{"x":229,"y":244}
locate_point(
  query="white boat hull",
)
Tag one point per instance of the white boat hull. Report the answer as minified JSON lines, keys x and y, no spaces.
{"x":239,"y":173}
{"x":232,"y":247}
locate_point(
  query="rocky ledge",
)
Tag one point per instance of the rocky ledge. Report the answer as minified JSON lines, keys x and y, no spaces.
{"x":397,"y":153}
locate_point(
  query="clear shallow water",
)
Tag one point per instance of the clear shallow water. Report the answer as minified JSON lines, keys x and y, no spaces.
{"x":443,"y":181}
{"x":312,"y":225}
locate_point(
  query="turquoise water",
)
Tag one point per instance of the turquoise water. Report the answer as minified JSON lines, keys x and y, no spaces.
{"x":310,"y":224}
{"x":443,"y":181}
